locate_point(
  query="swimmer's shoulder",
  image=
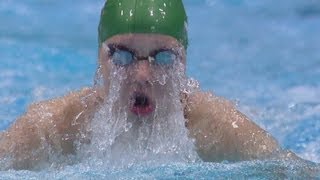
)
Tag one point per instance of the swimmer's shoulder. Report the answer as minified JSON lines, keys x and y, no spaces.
{"x":66,"y":115}
{"x":80,"y":99}
{"x":48,"y":121}
{"x":62,"y":114}
{"x":226,"y":133}
{"x":64,"y":109}
{"x":200,"y":103}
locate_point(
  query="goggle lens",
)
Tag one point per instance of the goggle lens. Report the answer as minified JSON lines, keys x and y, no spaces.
{"x":125,"y":57}
{"x":165,"y":58}
{"x":122,"y":57}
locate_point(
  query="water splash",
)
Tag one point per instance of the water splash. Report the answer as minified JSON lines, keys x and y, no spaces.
{"x":119,"y":139}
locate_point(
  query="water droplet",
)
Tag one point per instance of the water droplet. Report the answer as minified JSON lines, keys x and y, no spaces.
{"x":162,"y":80}
{"x":128,"y":127}
{"x":192,"y":83}
{"x":234,"y":125}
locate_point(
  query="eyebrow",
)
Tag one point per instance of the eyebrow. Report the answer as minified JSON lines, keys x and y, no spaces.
{"x":113,"y":47}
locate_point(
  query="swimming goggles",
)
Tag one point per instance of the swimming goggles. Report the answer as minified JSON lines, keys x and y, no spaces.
{"x":122,"y":56}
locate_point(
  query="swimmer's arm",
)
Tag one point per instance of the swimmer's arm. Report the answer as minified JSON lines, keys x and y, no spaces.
{"x":223,"y":133}
{"x":55,"y":123}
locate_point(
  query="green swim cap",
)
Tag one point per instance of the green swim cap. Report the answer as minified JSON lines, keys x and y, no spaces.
{"x":166,"y":17}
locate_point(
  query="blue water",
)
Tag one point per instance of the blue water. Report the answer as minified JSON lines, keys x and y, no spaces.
{"x":264,"y":55}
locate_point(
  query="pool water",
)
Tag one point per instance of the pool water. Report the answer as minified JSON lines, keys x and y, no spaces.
{"x":263,"y":55}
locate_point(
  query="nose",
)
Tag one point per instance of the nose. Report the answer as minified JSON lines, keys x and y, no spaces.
{"x":143,"y":71}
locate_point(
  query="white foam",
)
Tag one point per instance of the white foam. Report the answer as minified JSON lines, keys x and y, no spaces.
{"x":121,"y":140}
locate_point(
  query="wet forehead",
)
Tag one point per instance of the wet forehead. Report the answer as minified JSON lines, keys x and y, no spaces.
{"x":144,"y":43}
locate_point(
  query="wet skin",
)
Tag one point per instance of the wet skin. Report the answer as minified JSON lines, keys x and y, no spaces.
{"x":141,"y":75}
{"x":221,"y":132}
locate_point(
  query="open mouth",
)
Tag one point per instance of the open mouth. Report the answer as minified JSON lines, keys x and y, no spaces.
{"x":141,"y":104}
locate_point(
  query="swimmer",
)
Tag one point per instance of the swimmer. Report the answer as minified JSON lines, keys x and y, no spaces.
{"x":141,"y":41}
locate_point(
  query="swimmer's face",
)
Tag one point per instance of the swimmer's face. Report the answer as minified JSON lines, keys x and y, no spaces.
{"x":145,"y":64}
